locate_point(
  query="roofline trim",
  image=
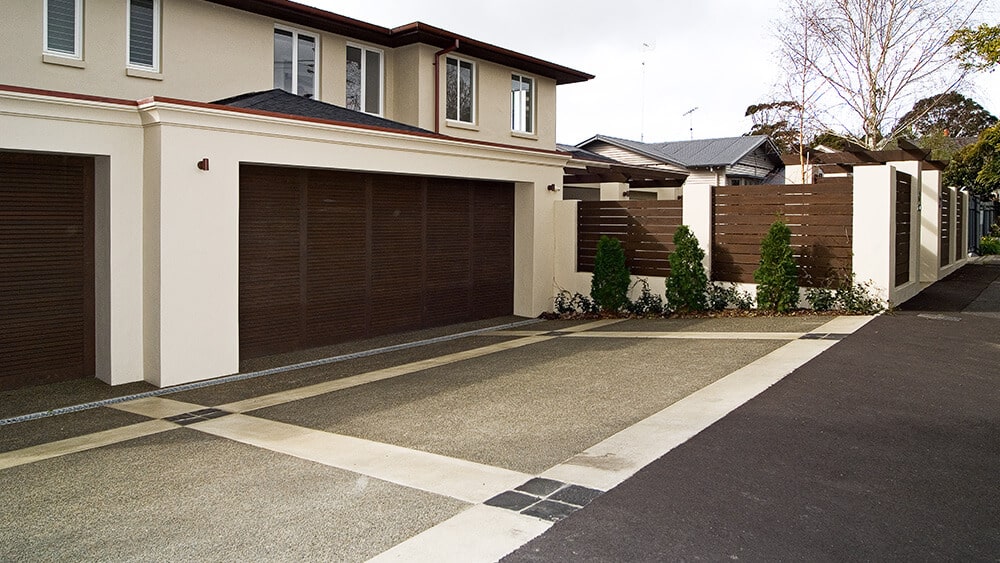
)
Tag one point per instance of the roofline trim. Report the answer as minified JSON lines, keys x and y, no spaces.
{"x":408,"y":34}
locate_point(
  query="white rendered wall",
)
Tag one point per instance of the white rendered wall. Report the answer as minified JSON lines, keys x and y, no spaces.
{"x":930,"y":225}
{"x":113,"y":134}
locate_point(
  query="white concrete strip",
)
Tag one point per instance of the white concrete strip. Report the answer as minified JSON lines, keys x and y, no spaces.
{"x":307,"y":392}
{"x":843,"y":325}
{"x":617,"y":458}
{"x":519,"y":333}
{"x":442,"y":475}
{"x":83,"y":443}
{"x":156,"y":407}
{"x":479,"y":534}
{"x":686,"y":335}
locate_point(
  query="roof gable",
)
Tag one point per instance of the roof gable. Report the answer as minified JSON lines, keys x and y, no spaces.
{"x":699,"y":153}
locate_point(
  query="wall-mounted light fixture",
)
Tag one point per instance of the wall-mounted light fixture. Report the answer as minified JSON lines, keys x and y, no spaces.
{"x":552,"y":188}
{"x":625,"y":193}
{"x":203,"y":164}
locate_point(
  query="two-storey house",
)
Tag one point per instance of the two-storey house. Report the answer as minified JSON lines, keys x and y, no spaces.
{"x":187,"y":184}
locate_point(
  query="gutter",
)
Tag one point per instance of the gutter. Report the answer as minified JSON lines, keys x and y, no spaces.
{"x":437,"y":84}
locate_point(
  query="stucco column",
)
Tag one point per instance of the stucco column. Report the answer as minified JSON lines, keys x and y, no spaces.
{"x":699,"y":217}
{"x":873,"y":229}
{"x":930,"y":225}
{"x":613,"y":191}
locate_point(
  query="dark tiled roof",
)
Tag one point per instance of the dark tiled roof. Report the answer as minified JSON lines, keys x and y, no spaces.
{"x":699,"y":153}
{"x":280,"y":101}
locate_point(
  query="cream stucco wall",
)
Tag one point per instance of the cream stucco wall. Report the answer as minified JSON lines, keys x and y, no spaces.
{"x":210,"y":52}
{"x":493,"y":111}
{"x":113,"y":134}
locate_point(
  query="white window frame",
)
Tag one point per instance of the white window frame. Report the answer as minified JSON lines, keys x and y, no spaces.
{"x":77,"y":33}
{"x":364,"y":74}
{"x":529,"y":121}
{"x":155,"y":67}
{"x":295,"y":57}
{"x":458,"y":76}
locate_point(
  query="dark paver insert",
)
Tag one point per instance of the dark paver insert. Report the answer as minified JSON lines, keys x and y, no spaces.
{"x":551,"y":510}
{"x":512,"y":500}
{"x":576,"y":495}
{"x":822,"y":336}
{"x":541,"y":487}
{"x":200,"y":415}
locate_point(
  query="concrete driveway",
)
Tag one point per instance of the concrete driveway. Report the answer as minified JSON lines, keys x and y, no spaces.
{"x":439,"y":445}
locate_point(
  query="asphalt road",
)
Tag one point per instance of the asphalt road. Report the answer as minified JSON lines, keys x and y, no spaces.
{"x":886,"y":447}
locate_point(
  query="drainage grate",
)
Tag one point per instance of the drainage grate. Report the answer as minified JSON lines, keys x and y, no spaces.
{"x":197,"y":416}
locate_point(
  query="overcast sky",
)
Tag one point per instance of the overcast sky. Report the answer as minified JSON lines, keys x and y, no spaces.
{"x":714,"y":55}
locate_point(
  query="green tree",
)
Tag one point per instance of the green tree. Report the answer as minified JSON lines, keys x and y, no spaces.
{"x":978,"y":48}
{"x":687,"y":282}
{"x":611,"y":280}
{"x":776,"y":120}
{"x":778,"y":276}
{"x":950,"y":114}
{"x":977,"y":166}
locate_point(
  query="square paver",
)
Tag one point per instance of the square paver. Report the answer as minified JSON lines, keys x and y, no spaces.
{"x":541,"y":487}
{"x":512,"y":500}
{"x":576,"y":495}
{"x":551,"y":510}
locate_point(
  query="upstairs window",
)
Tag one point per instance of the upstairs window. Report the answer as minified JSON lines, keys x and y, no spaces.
{"x":64,"y":27}
{"x":522,"y":102}
{"x":364,"y":79}
{"x":295,"y":62}
{"x":144,"y":34}
{"x":461,"y":81}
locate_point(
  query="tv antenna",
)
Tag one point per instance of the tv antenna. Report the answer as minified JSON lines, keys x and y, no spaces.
{"x":646,"y":48}
{"x":688,"y":114}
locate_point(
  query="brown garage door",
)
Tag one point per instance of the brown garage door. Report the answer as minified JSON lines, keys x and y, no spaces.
{"x":328,"y":256}
{"x":46,"y":269}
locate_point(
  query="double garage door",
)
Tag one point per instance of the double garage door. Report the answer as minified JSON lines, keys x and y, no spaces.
{"x":46,"y":269}
{"x":328,"y":256}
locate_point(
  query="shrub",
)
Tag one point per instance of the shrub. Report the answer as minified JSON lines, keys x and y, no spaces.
{"x":989,"y":245}
{"x":859,"y":298}
{"x":821,"y":298}
{"x":718,"y":297}
{"x":778,"y":276}
{"x":687,"y":282}
{"x":609,"y":285}
{"x":648,"y":303}
{"x":567,"y":303}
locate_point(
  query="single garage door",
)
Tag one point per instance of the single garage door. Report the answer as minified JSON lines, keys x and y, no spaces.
{"x":46,"y":269}
{"x":328,"y":256}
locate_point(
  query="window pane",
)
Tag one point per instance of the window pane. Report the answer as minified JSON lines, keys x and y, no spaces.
{"x":466,"y":90}
{"x":451,"y":79}
{"x":528,"y":88}
{"x":283,"y":59}
{"x":61,"y":33}
{"x":307,"y":66}
{"x":141,"y":33}
{"x":353,"y":78}
{"x":373,"y":81}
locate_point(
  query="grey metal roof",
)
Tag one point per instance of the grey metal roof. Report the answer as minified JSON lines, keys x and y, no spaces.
{"x":280,"y":101}
{"x":584,"y":154}
{"x":699,"y":153}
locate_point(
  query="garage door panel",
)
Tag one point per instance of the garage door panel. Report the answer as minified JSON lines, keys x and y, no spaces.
{"x":47,"y":273}
{"x":371,"y":254}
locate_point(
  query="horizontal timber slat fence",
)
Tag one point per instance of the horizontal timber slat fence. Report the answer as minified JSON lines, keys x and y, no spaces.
{"x":820,"y":217}
{"x":645,"y":229}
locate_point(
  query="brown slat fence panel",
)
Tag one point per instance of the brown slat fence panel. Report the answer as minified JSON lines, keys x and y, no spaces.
{"x":904,"y":224}
{"x":945,"y":246}
{"x":820,"y":217}
{"x":645,"y":229}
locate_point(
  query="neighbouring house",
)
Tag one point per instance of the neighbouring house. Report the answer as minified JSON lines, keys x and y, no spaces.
{"x":720,"y":162}
{"x":187,"y":184}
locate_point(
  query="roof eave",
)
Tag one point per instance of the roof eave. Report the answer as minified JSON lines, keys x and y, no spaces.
{"x":409,"y":34}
